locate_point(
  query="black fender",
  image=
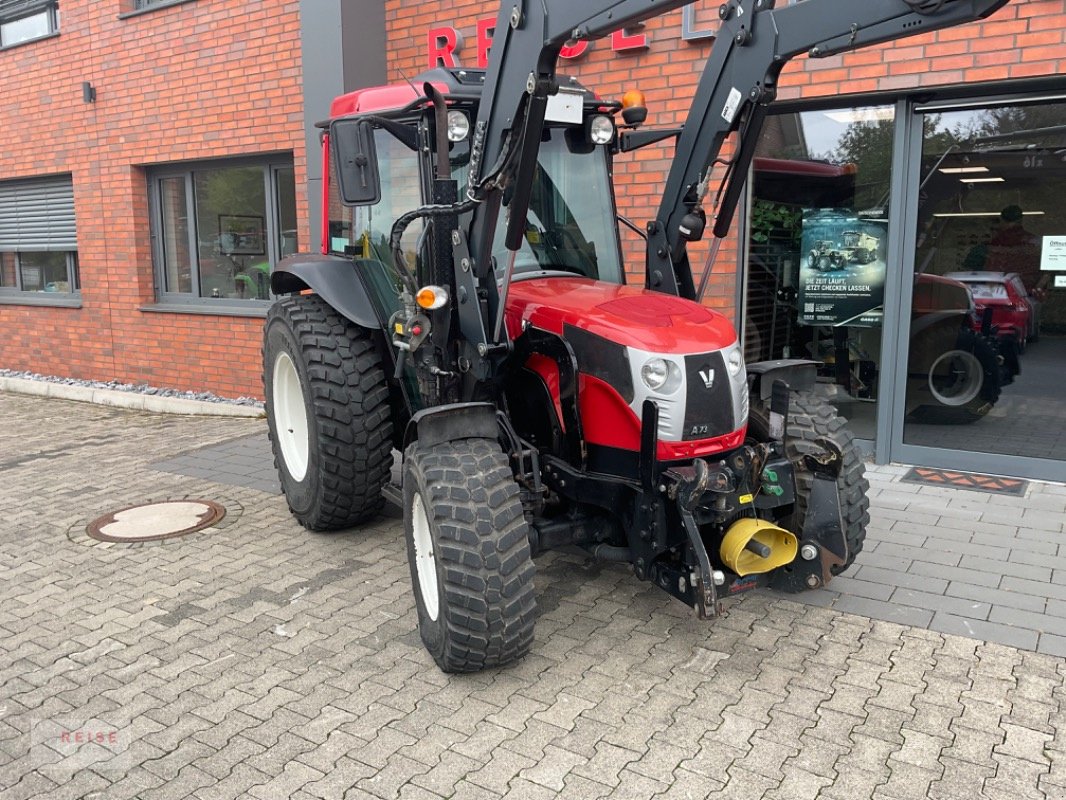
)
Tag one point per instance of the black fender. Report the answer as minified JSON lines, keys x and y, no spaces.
{"x":450,"y":422}
{"x":799,"y":374}
{"x":336,"y":280}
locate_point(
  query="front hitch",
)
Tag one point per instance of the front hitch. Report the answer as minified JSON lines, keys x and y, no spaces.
{"x":823,"y":546}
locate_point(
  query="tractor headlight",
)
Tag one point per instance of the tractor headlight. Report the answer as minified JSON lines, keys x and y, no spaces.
{"x":601,"y":129}
{"x":661,"y":375}
{"x":458,"y":126}
{"x":734,"y":361}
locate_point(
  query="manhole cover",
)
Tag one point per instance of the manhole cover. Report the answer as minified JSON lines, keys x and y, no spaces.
{"x":152,"y":521}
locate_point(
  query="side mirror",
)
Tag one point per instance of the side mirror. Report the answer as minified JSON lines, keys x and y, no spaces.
{"x":356,"y":161}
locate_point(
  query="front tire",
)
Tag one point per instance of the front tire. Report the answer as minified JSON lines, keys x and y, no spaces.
{"x":327,"y":407}
{"x":812,"y":420}
{"x":468,"y":551}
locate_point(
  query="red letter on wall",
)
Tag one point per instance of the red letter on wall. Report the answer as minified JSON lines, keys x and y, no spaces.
{"x":443,"y":45}
{"x":485,"y":28}
{"x":621,"y":41}
{"x":575,"y":50}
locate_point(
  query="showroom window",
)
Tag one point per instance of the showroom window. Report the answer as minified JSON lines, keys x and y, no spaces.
{"x":818,"y":249}
{"x":220,"y":227}
{"x":38,"y":239}
{"x":25,"y":20}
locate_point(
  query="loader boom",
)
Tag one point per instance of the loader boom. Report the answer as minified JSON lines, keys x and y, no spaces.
{"x":738,"y":84}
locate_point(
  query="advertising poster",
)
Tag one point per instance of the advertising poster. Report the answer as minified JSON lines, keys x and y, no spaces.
{"x":842,"y":269}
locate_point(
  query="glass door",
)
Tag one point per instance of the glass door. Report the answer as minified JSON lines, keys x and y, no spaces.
{"x":983,"y":341}
{"x":818,"y":249}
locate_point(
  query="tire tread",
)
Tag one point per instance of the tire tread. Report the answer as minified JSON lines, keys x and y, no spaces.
{"x":350,"y":415}
{"x":489,"y":605}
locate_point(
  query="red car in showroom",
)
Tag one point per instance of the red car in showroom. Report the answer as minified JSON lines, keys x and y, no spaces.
{"x":1015,"y":313}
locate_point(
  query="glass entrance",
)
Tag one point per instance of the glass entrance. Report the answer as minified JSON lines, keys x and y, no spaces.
{"x":986,"y":337}
{"x":818,"y":250}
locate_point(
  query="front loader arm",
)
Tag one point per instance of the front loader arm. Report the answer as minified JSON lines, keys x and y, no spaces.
{"x":738,"y":84}
{"x":521,"y":75}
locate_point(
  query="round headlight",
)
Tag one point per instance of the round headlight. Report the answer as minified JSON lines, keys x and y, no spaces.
{"x":734,"y":362}
{"x":601,"y":129}
{"x":655,"y":373}
{"x":458,"y":126}
{"x":661,"y":375}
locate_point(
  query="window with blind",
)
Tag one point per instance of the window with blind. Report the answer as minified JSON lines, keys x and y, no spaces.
{"x":26,"y":20}
{"x":38,"y":237}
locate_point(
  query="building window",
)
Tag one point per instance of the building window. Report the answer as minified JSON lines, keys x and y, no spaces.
{"x":219,"y":228}
{"x":38,"y":239}
{"x":24,"y":20}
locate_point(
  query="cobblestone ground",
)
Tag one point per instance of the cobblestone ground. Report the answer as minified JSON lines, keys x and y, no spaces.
{"x":257,"y":660}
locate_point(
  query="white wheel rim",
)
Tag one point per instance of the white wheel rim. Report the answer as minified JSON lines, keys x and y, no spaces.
{"x":956,"y":378}
{"x":425,"y":561}
{"x":290,"y":416}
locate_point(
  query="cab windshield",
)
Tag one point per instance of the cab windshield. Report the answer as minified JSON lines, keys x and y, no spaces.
{"x":570,"y":227}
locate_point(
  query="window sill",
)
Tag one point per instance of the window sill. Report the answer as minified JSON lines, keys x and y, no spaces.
{"x":34,"y":299}
{"x":153,"y":7}
{"x":207,"y":309}
{"x":34,"y":40}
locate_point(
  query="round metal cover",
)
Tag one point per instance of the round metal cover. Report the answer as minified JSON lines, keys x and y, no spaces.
{"x":153,"y":521}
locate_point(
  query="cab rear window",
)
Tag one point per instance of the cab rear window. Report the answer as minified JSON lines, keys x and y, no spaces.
{"x":989,"y":291}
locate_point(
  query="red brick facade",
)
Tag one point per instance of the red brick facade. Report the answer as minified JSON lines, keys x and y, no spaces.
{"x":193,"y":81}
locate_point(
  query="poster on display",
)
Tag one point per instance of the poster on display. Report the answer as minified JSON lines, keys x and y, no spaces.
{"x":1053,"y":254}
{"x":842,"y":269}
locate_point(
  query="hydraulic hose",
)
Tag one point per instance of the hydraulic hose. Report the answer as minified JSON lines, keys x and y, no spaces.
{"x":405,"y":220}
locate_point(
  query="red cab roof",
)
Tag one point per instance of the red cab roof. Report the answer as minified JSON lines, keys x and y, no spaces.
{"x":378,"y":98}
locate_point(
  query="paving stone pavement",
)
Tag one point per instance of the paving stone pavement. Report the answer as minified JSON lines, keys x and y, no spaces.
{"x":987,"y":566}
{"x":258,"y":660}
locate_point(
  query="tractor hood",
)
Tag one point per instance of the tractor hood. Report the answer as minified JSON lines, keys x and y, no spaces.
{"x":626,"y":315}
{"x":614,"y":332}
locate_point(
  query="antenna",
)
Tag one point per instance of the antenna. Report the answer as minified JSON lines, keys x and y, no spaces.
{"x":409,"y":82}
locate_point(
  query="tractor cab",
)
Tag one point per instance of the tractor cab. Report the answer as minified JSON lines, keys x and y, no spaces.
{"x":570,"y":228}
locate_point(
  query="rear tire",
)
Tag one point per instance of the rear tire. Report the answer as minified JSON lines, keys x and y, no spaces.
{"x":327,"y":407}
{"x":964,"y":383}
{"x":468,"y":550}
{"x":812,"y":420}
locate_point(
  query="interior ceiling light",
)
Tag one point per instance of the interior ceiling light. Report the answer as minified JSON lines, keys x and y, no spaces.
{"x":982,"y":180}
{"x":962,"y":170}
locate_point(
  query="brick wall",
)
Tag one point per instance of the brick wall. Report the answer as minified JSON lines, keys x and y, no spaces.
{"x":200,"y":80}
{"x":1024,"y":39}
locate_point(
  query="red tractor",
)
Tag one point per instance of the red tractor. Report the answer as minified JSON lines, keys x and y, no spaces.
{"x":469,"y":309}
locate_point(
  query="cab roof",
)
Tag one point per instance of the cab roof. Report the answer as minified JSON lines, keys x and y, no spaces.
{"x":458,"y":83}
{"x":454,"y":84}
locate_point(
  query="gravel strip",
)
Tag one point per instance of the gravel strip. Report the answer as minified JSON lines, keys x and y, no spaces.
{"x":141,"y":388}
